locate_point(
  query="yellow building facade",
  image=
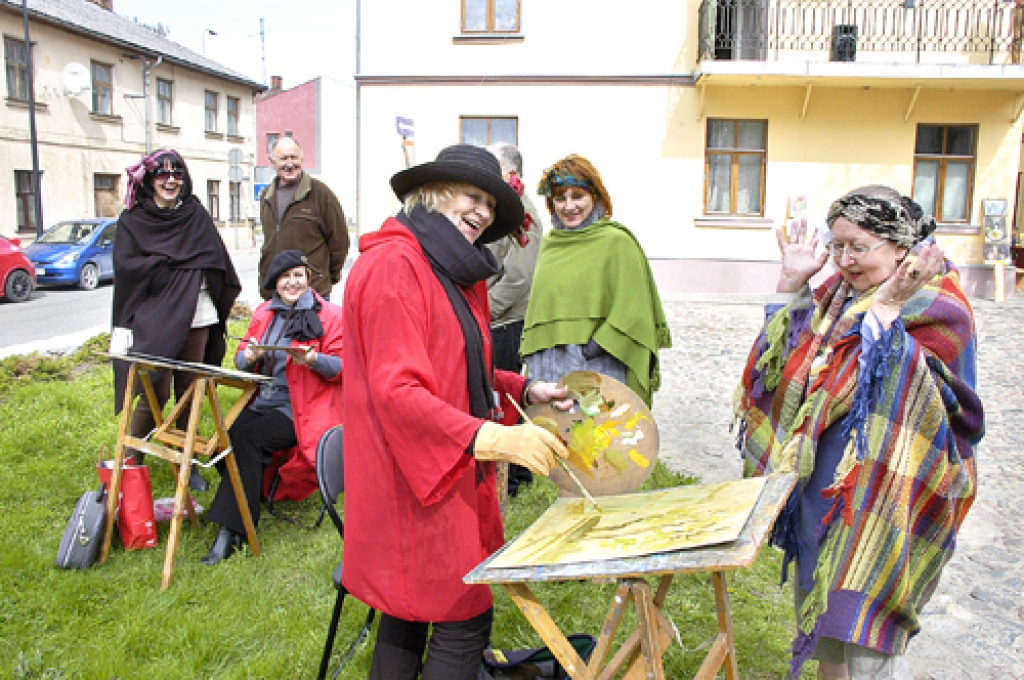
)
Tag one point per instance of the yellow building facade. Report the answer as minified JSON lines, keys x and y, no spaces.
{"x":711,"y":122}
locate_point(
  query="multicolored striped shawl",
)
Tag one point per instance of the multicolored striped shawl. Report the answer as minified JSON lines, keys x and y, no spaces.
{"x":908,"y":475}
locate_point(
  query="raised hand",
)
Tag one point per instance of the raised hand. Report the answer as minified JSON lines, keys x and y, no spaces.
{"x":799,"y":263}
{"x":910,"y":276}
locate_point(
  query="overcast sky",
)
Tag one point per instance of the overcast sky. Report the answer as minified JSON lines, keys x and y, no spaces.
{"x":303,"y":39}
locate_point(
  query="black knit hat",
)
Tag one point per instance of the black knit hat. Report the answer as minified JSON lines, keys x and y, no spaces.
{"x":475,"y":166}
{"x":282,"y":262}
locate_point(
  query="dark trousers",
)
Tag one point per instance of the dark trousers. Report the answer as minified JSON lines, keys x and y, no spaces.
{"x":255,"y":437}
{"x":142,"y":419}
{"x":455,"y":652}
{"x":505,"y":342}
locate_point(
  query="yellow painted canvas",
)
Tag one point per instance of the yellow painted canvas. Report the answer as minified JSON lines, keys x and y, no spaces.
{"x":631,"y":525}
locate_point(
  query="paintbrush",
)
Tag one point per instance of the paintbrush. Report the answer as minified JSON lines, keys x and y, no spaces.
{"x":561,"y":461}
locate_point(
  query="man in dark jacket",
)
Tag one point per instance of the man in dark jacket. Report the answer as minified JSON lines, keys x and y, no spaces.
{"x":302,"y":213}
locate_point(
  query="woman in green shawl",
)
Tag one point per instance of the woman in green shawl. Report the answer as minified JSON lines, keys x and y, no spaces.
{"x":594,"y":305}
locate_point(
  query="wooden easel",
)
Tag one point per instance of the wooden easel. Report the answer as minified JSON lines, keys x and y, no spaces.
{"x":641,"y":654}
{"x":178,"y":446}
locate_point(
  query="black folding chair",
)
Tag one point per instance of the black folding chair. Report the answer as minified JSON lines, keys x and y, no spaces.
{"x":330,"y":474}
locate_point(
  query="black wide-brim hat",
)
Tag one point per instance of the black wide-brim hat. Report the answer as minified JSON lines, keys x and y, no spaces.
{"x":472,"y":165}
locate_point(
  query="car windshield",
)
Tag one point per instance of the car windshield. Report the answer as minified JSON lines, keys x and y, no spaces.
{"x":69,"y":232}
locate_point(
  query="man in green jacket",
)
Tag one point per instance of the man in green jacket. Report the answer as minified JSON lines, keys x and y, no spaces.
{"x":302,"y":213}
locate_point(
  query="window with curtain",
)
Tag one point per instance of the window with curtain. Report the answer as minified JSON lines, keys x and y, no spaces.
{"x":481,"y":131}
{"x":164,"y":101}
{"x":211,"y":111}
{"x":102,"y":88}
{"x":233,"y":116}
{"x":16,"y":58}
{"x":734,"y":167}
{"x":213,"y":198}
{"x":944,"y":162}
{"x":235,"y":200}
{"x":25,"y":195}
{"x":490,"y":16}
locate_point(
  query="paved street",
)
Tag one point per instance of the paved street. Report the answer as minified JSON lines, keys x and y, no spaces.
{"x":973,"y":628}
{"x":58,"y":319}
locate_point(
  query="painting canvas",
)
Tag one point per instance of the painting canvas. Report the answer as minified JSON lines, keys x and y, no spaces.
{"x":632,"y":525}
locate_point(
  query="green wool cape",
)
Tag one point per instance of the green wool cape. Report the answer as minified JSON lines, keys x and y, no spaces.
{"x":596,"y":283}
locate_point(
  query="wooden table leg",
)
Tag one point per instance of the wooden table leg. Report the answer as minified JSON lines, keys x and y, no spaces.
{"x":231,"y":464}
{"x":194,"y":392}
{"x":608,"y":631}
{"x":647,"y":621}
{"x":115,"y":475}
{"x":547,"y":629}
{"x":732,"y":671}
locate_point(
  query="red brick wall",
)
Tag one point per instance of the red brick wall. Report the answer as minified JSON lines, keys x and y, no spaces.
{"x":292,"y":111}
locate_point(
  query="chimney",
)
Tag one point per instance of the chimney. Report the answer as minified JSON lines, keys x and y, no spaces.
{"x":276,"y":82}
{"x":105,"y":4}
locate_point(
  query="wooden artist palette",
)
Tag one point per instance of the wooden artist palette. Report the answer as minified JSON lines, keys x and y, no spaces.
{"x":610,"y":433}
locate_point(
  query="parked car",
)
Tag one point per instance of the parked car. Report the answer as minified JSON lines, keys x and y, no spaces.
{"x":79,"y":252}
{"x":17,"y":275}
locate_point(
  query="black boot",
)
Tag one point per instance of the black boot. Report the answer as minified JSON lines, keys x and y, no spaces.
{"x":224,"y":546}
{"x":196,"y":481}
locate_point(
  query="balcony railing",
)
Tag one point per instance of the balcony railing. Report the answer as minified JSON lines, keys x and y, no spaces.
{"x":909,"y":31}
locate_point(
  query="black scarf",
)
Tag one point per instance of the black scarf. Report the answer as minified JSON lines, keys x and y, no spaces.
{"x":457,"y":262}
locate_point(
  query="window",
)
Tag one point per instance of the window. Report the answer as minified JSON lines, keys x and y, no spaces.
{"x":102,"y":88}
{"x":490,"y":16}
{"x":26,"y":199}
{"x":213,"y":198}
{"x":484,"y":131}
{"x":105,"y":193}
{"x":944,"y":159}
{"x":164,"y":101}
{"x":272,"y":138}
{"x":211,"y":111}
{"x":16,"y":57}
{"x":734,"y":167}
{"x":233,"y":116}
{"x":235,"y":196}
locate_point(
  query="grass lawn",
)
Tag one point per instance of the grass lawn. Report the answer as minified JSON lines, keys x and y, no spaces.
{"x":248,"y":617}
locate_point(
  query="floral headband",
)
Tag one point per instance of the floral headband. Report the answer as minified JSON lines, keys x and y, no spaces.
{"x":556,"y":179}
{"x":137,"y":173}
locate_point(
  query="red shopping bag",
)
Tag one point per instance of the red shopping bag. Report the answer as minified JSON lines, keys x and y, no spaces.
{"x":135,"y":521}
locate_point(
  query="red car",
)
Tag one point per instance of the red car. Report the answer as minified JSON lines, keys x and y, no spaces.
{"x":17,"y":275}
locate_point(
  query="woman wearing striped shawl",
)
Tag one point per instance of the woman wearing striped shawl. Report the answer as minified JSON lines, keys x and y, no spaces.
{"x":865,"y":387}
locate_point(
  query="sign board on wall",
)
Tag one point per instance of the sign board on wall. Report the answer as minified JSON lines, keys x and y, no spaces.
{"x":997,"y":234}
{"x":404,"y":126}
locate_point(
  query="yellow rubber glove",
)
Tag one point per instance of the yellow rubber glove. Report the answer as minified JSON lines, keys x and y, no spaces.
{"x":526,"y":445}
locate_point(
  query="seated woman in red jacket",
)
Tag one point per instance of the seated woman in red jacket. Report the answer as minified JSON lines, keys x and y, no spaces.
{"x":421,"y":502}
{"x":298,"y":407}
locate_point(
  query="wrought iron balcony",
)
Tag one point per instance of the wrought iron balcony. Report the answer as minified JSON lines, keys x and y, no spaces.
{"x":905,"y":31}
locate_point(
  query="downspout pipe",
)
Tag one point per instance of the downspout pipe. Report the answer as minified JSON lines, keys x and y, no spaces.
{"x":149,"y":104}
{"x":359,"y":127}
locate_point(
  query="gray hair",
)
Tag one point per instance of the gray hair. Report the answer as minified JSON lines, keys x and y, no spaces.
{"x":508,"y":156}
{"x":277,"y":142}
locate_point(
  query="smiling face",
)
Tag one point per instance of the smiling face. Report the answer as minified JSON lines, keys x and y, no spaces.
{"x":292,"y":284}
{"x":573,"y":206}
{"x":870,"y":269}
{"x":167,"y":183}
{"x":470,"y":209}
{"x":287,"y":161}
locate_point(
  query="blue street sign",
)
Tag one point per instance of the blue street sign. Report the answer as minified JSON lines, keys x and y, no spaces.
{"x":404,"y":126}
{"x":257,"y":190}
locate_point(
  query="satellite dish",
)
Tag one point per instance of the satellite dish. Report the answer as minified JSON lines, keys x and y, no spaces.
{"x":77,"y":79}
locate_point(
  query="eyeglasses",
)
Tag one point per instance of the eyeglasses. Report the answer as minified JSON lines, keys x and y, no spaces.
{"x":855,"y":252}
{"x":167,"y":174}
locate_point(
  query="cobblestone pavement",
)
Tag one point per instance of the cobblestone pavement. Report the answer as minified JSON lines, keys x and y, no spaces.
{"x":973,"y":628}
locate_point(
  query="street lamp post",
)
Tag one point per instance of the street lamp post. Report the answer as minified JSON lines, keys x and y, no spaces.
{"x":203,"y":40}
{"x":33,"y":142}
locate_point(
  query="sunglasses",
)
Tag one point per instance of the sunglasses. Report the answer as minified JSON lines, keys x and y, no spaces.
{"x":167,"y":174}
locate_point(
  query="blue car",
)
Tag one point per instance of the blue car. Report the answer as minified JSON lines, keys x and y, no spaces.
{"x":79,"y":252}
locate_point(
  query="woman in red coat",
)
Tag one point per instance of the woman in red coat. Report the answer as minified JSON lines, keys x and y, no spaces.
{"x":421,"y":505}
{"x":301,"y":403}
